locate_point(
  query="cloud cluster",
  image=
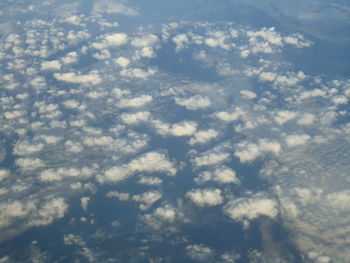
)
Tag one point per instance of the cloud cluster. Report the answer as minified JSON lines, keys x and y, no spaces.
{"x":148,"y":162}
{"x":245,"y":209}
{"x":205,"y":197}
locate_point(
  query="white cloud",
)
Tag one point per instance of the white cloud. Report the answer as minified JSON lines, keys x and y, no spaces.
{"x":194,"y":103}
{"x":147,"y":180}
{"x":281,"y":117}
{"x":120,"y":196}
{"x":180,"y":40}
{"x":306,"y":119}
{"x":138,"y":73}
{"x":205,"y":197}
{"x":53,"y":65}
{"x":111,"y":40}
{"x":297,"y":139}
{"x":267,"y":76}
{"x":248,"y":94}
{"x":245,"y":209}
{"x":48,"y":212}
{"x":199,"y":252}
{"x":167,"y":213}
{"x":93,"y":78}
{"x":148,"y":162}
{"x":54,"y":175}
{"x":84,"y":201}
{"x":135,"y":102}
{"x":29,"y":164}
{"x":112,"y":7}
{"x":229,"y":116}
{"x":184,"y":128}
{"x":69,"y":58}
{"x":297,"y":40}
{"x":203,"y":136}
{"x":122,"y":61}
{"x":247,"y":151}
{"x":134,"y":118}
{"x":4,"y":173}
{"x":147,"y":199}
{"x":222,"y":175}
{"x":145,"y":41}
{"x":24,"y":148}
{"x":211,"y":157}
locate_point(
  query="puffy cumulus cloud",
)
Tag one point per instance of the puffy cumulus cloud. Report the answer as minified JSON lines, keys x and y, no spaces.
{"x":147,"y":40}
{"x":282,"y":117}
{"x":17,"y":216}
{"x":24,"y":148}
{"x":199,"y":252}
{"x":152,"y":162}
{"x":166,"y":212}
{"x":135,"y":102}
{"x":194,"y":103}
{"x":53,"y":65}
{"x":134,"y":118}
{"x":318,"y":257}
{"x":112,"y":7}
{"x":111,"y":40}
{"x":340,"y":100}
{"x":217,"y":39}
{"x":84,"y":202}
{"x":268,"y":34}
{"x":84,"y":250}
{"x":306,"y":119}
{"x":4,"y":173}
{"x":93,"y":78}
{"x":29,"y":164}
{"x":205,"y":197}
{"x":181,"y":41}
{"x":122,"y":61}
{"x":184,"y":128}
{"x":247,"y":94}
{"x":297,"y":139}
{"x":312,"y":94}
{"x":148,"y":162}
{"x":147,"y":199}
{"x":147,"y":180}
{"x":55,"y":175}
{"x":138,"y":73}
{"x":297,"y":40}
{"x":248,"y":151}
{"x":245,"y":209}
{"x":211,"y":157}
{"x":222,"y":175}
{"x":229,"y":116}
{"x":118,"y":195}
{"x":203,"y":136}
{"x":70,"y":58}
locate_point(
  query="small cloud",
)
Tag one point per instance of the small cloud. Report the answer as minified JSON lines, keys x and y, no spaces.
{"x":84,"y":201}
{"x":203,"y":136}
{"x":93,"y":78}
{"x":245,"y":209}
{"x":134,"y":118}
{"x":222,"y":175}
{"x":147,"y":199}
{"x":194,"y":103}
{"x":297,"y":139}
{"x":199,"y":252}
{"x":247,"y":151}
{"x":53,"y":65}
{"x":205,"y":197}
{"x":180,"y":40}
